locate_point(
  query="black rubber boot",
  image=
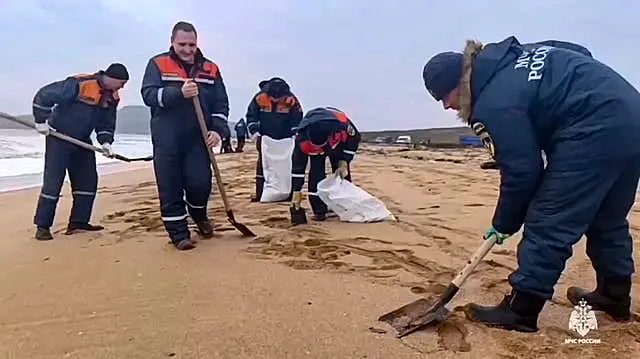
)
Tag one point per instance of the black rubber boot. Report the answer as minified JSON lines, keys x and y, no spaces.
{"x":205,"y":228}
{"x":184,"y":245}
{"x":320,"y":217}
{"x":74,"y":227}
{"x":612,"y":296}
{"x":43,"y":234}
{"x":518,"y":311}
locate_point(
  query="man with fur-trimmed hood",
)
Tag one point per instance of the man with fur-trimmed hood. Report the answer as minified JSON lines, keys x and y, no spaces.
{"x":552,"y":97}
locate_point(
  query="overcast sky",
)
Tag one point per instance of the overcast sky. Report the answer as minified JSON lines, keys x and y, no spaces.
{"x":363,"y":56}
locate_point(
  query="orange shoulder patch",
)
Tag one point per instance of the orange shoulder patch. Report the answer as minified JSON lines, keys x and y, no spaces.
{"x":90,"y":92}
{"x":169,"y":68}
{"x":211,"y":68}
{"x":341,"y":116}
{"x":83,"y":76}
{"x":264,"y":102}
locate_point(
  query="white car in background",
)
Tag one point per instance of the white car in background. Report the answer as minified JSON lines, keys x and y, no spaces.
{"x":404,"y":140}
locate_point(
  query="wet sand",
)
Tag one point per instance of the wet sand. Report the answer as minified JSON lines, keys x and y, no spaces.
{"x":310,"y":291}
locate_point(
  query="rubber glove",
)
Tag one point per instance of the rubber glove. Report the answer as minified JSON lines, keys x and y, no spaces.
{"x":500,"y":237}
{"x":43,"y":128}
{"x":296,"y":199}
{"x":343,"y":169}
{"x":107,"y":150}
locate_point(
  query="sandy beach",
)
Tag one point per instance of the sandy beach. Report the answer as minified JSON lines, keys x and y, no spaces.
{"x":313,"y":291}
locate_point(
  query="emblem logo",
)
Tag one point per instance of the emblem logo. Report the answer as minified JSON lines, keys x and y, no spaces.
{"x":583,"y":319}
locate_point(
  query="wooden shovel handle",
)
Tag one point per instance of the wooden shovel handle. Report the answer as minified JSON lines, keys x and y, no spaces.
{"x":473,"y":261}
{"x":216,"y":170}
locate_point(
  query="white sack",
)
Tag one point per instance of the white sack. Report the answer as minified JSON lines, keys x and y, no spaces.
{"x":350,"y":202}
{"x":276,"y":168}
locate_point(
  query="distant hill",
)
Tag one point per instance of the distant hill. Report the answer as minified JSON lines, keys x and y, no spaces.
{"x":133,"y":120}
{"x":434,"y":136}
{"x":10,"y":125}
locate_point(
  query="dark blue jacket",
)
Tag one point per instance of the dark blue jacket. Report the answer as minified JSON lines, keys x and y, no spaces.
{"x":241,"y":129}
{"x":561,"y":44}
{"x":332,"y":127}
{"x":171,"y":113}
{"x":524,"y":99}
{"x":273,"y":117}
{"x":81,"y":107}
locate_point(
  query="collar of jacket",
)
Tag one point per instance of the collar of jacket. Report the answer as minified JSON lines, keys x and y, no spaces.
{"x":197,"y":61}
{"x":100,"y":78}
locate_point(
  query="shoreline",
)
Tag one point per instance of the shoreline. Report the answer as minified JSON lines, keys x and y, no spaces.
{"x":34,"y":180}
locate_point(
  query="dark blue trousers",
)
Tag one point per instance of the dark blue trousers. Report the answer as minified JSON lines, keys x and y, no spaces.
{"x":593,"y":201}
{"x":183,"y":176}
{"x":62,"y":157}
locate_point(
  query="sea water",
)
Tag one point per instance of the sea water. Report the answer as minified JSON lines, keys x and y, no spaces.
{"x":22,"y":156}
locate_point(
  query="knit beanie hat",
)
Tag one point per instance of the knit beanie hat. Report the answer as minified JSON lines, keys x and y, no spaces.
{"x":442,"y":74}
{"x":117,"y":71}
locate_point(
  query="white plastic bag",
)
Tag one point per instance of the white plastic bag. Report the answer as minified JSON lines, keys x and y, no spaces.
{"x":276,"y":168}
{"x":350,"y":202}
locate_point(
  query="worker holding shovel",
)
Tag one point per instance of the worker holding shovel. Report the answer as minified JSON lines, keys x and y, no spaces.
{"x":524,"y":99}
{"x":75,"y":107}
{"x":324,"y":132}
{"x":181,"y":160}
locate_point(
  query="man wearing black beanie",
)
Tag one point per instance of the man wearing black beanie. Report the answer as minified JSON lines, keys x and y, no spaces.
{"x":552,"y":97}
{"x":75,"y":106}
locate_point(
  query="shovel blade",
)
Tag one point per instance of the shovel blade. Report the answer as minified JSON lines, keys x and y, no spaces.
{"x":415,"y":316}
{"x":239,"y":226}
{"x":298,"y":216}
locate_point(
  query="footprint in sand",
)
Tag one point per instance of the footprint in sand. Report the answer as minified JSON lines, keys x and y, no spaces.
{"x":277,"y":221}
{"x":418,"y":290}
{"x":452,"y":336}
{"x":474,"y":205}
{"x":490,"y":284}
{"x":504,"y":252}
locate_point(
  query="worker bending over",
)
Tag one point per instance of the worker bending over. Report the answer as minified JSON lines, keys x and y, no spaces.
{"x":76,"y":107}
{"x":324,"y":132}
{"x":552,"y":97}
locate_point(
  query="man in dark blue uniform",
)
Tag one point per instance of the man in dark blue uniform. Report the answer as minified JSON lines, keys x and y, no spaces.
{"x":181,"y":162}
{"x":75,"y":107}
{"x":241,"y":134}
{"x":226,"y":143}
{"x":324,"y":132}
{"x":274,"y":112}
{"x":524,"y":99}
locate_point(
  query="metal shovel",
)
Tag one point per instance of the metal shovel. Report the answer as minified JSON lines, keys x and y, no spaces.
{"x":216,"y":171}
{"x":420,"y":313}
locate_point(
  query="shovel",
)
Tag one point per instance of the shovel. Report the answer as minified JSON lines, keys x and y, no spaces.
{"x":203,"y":128}
{"x":298,"y":215}
{"x":420,"y":313}
{"x":489,"y":165}
{"x":75,"y":141}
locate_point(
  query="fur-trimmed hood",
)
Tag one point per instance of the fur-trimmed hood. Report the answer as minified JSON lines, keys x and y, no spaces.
{"x":486,"y":61}
{"x":471,"y":49}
